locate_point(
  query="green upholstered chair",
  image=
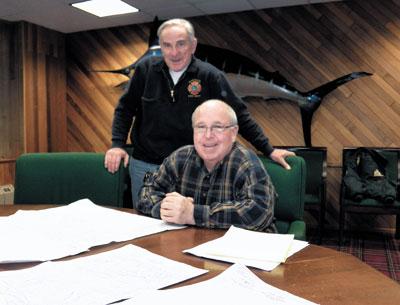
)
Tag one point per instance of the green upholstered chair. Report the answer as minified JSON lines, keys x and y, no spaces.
{"x":62,"y":178}
{"x":315,"y":198}
{"x":290,"y":186}
{"x":369,"y":205}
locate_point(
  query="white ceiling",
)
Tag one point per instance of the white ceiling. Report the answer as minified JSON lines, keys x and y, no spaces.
{"x":60,"y":16}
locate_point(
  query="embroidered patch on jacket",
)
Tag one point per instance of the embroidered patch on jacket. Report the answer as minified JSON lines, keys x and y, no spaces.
{"x":194,"y":88}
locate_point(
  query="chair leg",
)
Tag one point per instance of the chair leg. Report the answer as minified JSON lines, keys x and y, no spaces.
{"x":341,"y":226}
{"x":397,"y":234}
{"x":321,"y":224}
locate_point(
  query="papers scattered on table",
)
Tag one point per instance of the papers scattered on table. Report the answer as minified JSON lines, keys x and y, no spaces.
{"x":97,"y":279}
{"x":235,"y":286}
{"x":257,"y":249}
{"x":62,"y":231}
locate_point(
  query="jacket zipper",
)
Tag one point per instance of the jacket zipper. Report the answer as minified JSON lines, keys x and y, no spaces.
{"x":171,"y":88}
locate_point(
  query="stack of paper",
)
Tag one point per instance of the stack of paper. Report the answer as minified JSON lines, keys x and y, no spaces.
{"x":62,"y":231}
{"x":235,"y":286}
{"x":96,"y":280}
{"x":257,"y":249}
{"x":129,"y":272}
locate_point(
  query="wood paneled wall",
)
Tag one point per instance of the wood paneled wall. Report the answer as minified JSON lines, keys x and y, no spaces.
{"x":32,"y":93}
{"x":44,"y":89}
{"x":11,"y":114}
{"x":309,"y":45}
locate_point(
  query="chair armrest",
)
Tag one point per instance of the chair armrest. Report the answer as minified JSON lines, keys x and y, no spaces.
{"x":298,"y":228}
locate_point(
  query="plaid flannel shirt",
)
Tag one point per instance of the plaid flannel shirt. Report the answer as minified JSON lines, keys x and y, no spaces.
{"x":238,"y":191}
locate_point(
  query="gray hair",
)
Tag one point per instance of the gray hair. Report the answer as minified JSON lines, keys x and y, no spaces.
{"x":177,"y":22}
{"x":228,"y":110}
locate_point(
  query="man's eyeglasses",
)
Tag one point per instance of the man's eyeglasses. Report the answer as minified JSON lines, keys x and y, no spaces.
{"x":215,"y":129}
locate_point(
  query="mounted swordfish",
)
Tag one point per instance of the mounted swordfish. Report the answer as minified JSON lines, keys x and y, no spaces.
{"x":248,"y":79}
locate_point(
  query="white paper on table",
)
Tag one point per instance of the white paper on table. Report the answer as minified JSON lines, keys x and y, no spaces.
{"x":97,"y":279}
{"x":256,"y":249}
{"x":253,"y":245}
{"x":235,"y":286}
{"x":62,"y":231}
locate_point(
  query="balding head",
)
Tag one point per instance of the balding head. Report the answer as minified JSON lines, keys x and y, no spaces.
{"x":210,"y":105}
{"x":214,"y":131}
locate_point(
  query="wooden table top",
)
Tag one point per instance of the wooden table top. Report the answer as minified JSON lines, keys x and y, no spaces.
{"x":318,"y":274}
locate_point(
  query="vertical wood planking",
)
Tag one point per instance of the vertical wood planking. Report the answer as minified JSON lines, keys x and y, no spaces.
{"x":11,"y":115}
{"x":44,"y":89}
{"x":32,"y":93}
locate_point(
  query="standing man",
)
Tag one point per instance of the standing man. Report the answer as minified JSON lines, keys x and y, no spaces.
{"x":162,"y":96}
{"x":214,"y":183}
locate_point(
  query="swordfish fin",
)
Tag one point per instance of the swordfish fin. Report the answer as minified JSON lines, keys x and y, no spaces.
{"x":152,"y":50}
{"x":153,"y":38}
{"x":314,"y":98}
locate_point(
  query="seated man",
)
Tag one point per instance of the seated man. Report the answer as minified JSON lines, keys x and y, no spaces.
{"x":216,"y":183}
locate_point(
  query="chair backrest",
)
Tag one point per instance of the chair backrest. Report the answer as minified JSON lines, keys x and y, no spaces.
{"x":392,"y":155}
{"x":392,"y":170}
{"x":290,"y":187}
{"x":316,"y":164}
{"x":62,"y":178}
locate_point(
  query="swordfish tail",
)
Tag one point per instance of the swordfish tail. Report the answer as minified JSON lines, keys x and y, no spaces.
{"x":314,"y":98}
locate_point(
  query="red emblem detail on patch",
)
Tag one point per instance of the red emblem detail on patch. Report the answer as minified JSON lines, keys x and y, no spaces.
{"x":194,"y":87}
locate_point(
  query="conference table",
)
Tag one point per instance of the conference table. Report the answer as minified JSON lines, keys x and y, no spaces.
{"x":318,"y":274}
